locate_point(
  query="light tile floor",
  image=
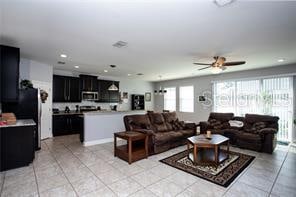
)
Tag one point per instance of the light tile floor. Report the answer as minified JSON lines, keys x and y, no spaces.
{"x":64,"y":167}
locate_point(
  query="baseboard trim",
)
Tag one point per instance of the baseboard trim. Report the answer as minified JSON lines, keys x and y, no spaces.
{"x":95,"y":142}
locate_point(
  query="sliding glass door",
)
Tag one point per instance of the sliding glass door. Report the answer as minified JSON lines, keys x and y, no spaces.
{"x":270,"y":96}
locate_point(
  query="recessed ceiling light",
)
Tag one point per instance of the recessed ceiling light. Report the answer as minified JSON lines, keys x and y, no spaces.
{"x":222,"y":3}
{"x":119,"y":44}
{"x":281,"y":60}
{"x":76,"y":66}
{"x":105,"y":71}
{"x":63,"y":55}
{"x":129,"y":74}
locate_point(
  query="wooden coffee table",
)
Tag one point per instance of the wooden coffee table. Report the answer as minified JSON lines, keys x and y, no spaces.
{"x":136,"y":147}
{"x":207,"y":151}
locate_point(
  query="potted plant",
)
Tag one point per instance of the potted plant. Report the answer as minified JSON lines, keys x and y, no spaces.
{"x":25,"y":84}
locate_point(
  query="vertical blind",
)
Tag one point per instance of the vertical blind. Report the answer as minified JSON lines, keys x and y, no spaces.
{"x":170,"y":99}
{"x":270,"y":96}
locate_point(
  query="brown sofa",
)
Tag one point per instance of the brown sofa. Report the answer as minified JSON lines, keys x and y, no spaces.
{"x":258,"y":132}
{"x":164,"y":129}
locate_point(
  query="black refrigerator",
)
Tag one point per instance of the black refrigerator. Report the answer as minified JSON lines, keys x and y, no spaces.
{"x":27,"y":107}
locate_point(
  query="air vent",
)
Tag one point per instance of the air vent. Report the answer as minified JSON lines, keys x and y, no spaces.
{"x":120,"y":44}
{"x":60,"y":62}
{"x":140,"y":74}
{"x":113,"y":66}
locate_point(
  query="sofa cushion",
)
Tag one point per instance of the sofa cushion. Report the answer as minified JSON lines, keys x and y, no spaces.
{"x":255,"y":138}
{"x":178,"y":125}
{"x":186,"y":133}
{"x":169,"y":118}
{"x":137,"y":122}
{"x":166,"y":137}
{"x":158,"y":122}
{"x":223,"y":117}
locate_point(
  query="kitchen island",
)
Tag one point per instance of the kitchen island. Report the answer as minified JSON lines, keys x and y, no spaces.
{"x":100,"y":126}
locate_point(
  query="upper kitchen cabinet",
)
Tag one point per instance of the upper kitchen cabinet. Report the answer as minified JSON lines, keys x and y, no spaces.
{"x":106,"y":95}
{"x":9,"y":67}
{"x":66,"y":89}
{"x":88,"y":83}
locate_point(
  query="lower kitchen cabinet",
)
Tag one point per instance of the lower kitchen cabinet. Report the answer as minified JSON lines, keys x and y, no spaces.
{"x":16,"y":147}
{"x":66,"y":125}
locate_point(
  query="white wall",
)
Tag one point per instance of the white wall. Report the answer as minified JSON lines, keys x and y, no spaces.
{"x":204,"y":83}
{"x":132,"y":86}
{"x":37,"y":71}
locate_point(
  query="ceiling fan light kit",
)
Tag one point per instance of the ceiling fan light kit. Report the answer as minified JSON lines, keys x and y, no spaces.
{"x":219,"y":64}
{"x":216,"y":70}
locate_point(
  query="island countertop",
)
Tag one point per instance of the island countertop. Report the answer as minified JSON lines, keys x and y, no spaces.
{"x":21,"y":123}
{"x":100,"y":126}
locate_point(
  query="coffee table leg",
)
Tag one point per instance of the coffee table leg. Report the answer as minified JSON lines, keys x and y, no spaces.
{"x":216,"y":154}
{"x":195,"y":153}
{"x":146,"y":146}
{"x":129,"y":151}
{"x":115,"y":145}
{"x":228,"y":148}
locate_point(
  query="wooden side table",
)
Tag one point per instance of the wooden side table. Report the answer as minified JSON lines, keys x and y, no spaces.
{"x":136,"y":147}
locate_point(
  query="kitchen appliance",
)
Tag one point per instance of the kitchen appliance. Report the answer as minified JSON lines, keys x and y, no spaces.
{"x":88,"y":108}
{"x":89,"y":96}
{"x":27,"y":107}
{"x":55,"y":110}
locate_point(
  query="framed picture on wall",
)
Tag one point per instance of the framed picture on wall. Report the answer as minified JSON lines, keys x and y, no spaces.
{"x":148,"y":96}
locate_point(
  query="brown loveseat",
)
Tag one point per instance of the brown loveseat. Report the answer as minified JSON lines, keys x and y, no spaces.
{"x":258,"y":132}
{"x":164,"y":129}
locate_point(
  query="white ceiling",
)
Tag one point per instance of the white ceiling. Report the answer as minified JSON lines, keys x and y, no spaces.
{"x":164,"y":37}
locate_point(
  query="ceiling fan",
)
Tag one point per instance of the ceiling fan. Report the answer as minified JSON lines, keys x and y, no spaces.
{"x":219,"y":64}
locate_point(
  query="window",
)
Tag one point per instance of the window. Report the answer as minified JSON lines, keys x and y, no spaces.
{"x":270,"y":96}
{"x":186,"y":96}
{"x":170,"y":99}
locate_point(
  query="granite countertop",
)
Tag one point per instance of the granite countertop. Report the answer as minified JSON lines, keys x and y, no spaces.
{"x":113,"y":112}
{"x":21,"y":123}
{"x":72,"y":112}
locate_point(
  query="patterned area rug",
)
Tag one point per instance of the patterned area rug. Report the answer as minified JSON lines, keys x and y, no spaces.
{"x":222,"y":175}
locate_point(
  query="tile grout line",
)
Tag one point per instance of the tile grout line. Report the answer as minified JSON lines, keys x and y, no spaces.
{"x":89,"y":169}
{"x":2,"y":185}
{"x":279,"y":171}
{"x":62,"y":171}
{"x":38,"y":191}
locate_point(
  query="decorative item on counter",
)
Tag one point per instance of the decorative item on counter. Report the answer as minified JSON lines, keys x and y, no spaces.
{"x":209,"y":135}
{"x":77,"y":108}
{"x":25,"y":84}
{"x":67,"y":109}
{"x":148,"y":96}
{"x":43,"y":95}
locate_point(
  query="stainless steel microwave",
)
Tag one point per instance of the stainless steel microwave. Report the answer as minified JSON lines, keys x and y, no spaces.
{"x":90,"y":96}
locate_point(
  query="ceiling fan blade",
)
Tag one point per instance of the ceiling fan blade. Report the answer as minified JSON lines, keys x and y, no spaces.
{"x":205,"y":68}
{"x":201,"y":64}
{"x":234,"y":63}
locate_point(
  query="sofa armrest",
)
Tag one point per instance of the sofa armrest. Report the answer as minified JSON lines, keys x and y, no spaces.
{"x":146,"y":131}
{"x":268,"y":131}
{"x":203,"y":126}
{"x":190,"y":125}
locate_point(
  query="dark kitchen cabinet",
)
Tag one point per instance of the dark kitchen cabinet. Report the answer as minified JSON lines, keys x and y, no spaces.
{"x":89,"y":83}
{"x":17,"y":146}
{"x":106,"y":95}
{"x":66,"y":89}
{"x":10,"y":58}
{"x":66,"y":125}
{"x":114,"y":95}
